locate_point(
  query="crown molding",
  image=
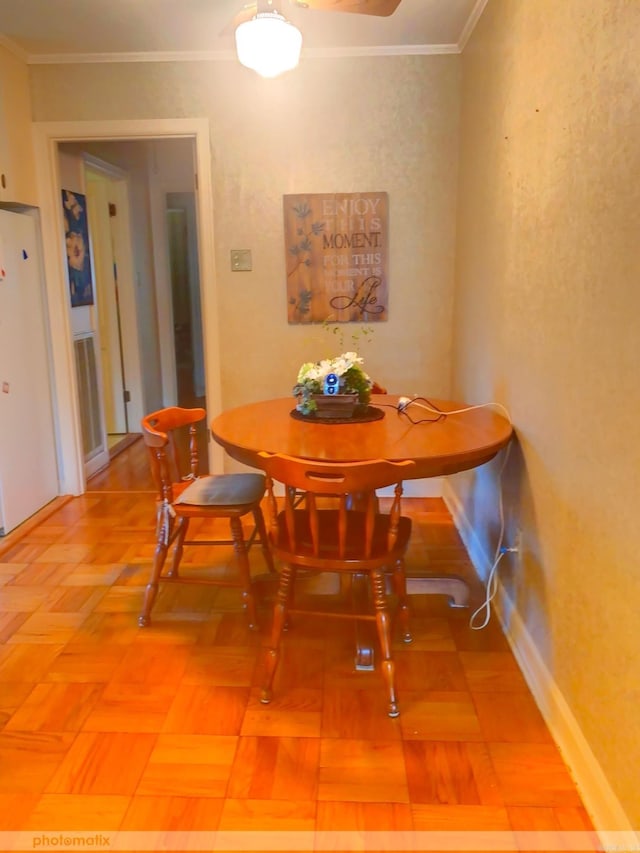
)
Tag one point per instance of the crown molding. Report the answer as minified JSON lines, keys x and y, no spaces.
{"x":13,"y":48}
{"x":384,"y":50}
{"x":230,"y":55}
{"x":472,"y":20}
{"x":141,"y":56}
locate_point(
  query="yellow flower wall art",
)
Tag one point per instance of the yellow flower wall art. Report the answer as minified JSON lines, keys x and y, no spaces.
{"x":76,"y":233}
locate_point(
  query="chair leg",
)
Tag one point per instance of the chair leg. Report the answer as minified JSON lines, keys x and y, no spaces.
{"x":258,"y":518}
{"x":281,"y":607}
{"x":383,"y":624}
{"x":151,"y":590}
{"x":183,"y":527}
{"x":242,"y":560}
{"x":400,"y":587}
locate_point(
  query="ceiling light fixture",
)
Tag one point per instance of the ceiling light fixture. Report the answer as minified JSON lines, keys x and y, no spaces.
{"x":268,"y":44}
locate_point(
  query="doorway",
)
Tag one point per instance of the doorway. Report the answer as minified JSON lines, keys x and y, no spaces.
{"x":48,"y":135}
{"x":106,"y":201}
{"x":185,"y":297}
{"x":136,"y":259}
{"x":106,"y":330}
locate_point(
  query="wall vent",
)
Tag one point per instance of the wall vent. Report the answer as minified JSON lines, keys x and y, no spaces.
{"x":89,"y":396}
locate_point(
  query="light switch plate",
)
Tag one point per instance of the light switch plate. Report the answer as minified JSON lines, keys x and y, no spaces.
{"x":241,"y":260}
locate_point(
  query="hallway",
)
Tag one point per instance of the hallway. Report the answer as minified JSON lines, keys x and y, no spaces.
{"x":108,"y":727}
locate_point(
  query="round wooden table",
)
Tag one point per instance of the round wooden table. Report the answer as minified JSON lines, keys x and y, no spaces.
{"x":455,"y":443}
{"x":458,"y":442}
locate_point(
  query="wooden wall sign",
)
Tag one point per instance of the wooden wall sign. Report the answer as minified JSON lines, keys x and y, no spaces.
{"x":336,"y":249}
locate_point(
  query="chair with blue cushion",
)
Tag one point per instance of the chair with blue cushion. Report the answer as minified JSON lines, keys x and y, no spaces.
{"x":171,"y":438}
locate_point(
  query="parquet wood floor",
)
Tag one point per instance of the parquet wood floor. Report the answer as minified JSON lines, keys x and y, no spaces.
{"x":107,"y":726}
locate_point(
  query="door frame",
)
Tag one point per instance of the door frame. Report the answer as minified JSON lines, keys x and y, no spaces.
{"x":47,"y":135}
{"x":113,"y":237}
{"x":185,"y":201}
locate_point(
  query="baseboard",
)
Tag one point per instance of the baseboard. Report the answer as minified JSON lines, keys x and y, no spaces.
{"x":600,"y":801}
{"x":608,"y":816}
{"x":477,"y":554}
{"x":126,"y":441}
{"x":14,"y":536}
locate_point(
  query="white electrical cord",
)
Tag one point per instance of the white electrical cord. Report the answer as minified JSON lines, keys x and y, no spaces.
{"x":492,"y":580}
{"x":405,"y":402}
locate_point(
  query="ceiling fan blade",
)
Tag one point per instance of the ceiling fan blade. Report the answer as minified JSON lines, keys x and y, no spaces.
{"x":382,"y":8}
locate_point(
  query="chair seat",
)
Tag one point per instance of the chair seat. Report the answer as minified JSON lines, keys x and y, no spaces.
{"x":328,"y":551}
{"x":183,"y":496}
{"x":223,"y":490}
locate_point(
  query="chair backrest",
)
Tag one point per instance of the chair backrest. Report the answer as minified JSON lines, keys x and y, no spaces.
{"x":354,"y":486}
{"x":160,"y":431}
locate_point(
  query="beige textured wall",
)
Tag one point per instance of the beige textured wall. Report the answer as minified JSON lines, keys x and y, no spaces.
{"x":546,"y":321}
{"x":16,"y":147}
{"x":367,"y":124}
{"x":547,"y":282}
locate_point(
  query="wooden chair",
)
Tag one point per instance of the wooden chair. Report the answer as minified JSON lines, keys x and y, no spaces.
{"x":170,"y":436}
{"x":375,"y":389}
{"x":331,"y":536}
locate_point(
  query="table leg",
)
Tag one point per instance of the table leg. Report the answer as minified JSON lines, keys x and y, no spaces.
{"x":360,"y":596}
{"x":453,"y":587}
{"x":364,"y":660}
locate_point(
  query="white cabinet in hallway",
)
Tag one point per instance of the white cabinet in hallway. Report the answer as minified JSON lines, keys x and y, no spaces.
{"x":17,"y":164}
{"x":28,"y":467}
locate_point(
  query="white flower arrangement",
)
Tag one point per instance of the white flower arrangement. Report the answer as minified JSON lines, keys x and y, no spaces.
{"x":347,"y":367}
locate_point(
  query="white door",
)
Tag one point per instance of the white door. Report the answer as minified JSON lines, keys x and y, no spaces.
{"x":100,"y":201}
{"x":28,"y":468}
